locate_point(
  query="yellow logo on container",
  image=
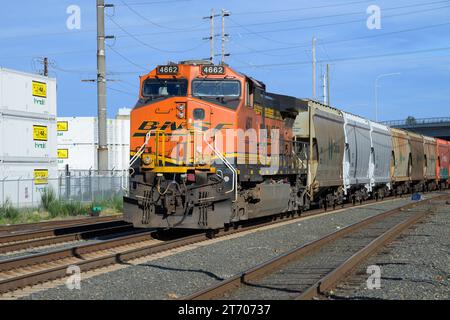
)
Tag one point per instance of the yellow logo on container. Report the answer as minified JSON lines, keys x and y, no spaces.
{"x":40,"y":133}
{"x":62,"y":126}
{"x":63,"y":153}
{"x":39,"y":89}
{"x":40,"y":176}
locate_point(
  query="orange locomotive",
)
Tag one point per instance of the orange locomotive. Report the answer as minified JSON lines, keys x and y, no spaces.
{"x":210,"y":147}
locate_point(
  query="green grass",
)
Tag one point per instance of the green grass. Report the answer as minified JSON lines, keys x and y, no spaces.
{"x":53,"y":208}
{"x":47,"y":198}
{"x":11,"y":215}
{"x":7,"y":211}
{"x":59,"y":208}
{"x":115,"y":203}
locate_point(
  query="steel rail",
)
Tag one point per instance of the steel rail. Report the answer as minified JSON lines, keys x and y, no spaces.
{"x":55,"y":240}
{"x":334,"y":277}
{"x":44,"y":263}
{"x":45,"y":225}
{"x":274,"y":264}
{"x":54,"y":232}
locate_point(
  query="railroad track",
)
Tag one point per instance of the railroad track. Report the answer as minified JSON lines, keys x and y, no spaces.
{"x":33,"y":269}
{"x":48,"y":225}
{"x":13,"y":243}
{"x":311,"y":271}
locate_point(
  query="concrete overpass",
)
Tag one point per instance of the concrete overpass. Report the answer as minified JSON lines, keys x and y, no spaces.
{"x":433,"y":127}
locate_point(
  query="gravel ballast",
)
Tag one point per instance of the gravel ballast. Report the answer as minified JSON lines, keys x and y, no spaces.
{"x":188,"y":271}
{"x":415,"y":266}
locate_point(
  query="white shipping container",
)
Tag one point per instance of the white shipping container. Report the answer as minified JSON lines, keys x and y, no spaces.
{"x":125,"y":128}
{"x":118,"y":157}
{"x":23,"y":183}
{"x":77,"y":156}
{"x":112,"y":134}
{"x":27,"y":139}
{"x":77,"y":130}
{"x":84,"y":130}
{"x":118,"y":131}
{"x":22,"y":92}
{"x":84,"y":157}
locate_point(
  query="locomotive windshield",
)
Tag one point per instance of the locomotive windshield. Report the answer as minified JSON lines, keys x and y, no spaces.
{"x":162,"y":88}
{"x":216,"y":88}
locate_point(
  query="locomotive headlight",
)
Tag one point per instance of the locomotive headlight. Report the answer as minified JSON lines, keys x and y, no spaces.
{"x":147,"y":159}
{"x":180,"y":114}
{"x":180,"y":107}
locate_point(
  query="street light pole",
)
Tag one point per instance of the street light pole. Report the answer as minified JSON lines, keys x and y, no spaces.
{"x":376,"y":89}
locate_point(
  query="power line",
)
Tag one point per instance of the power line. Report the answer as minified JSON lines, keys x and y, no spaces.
{"x":258,"y":33}
{"x":236,"y":53}
{"x":367,"y":57}
{"x":122,"y":91}
{"x":345,"y":14}
{"x":137,"y":13}
{"x":66,"y":33}
{"x":306,"y":45}
{"x":144,"y":3}
{"x":148,"y":45}
{"x":301,"y":9}
{"x":126,"y":59}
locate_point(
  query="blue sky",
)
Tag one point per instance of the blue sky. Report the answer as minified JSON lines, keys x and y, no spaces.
{"x":414,"y":40}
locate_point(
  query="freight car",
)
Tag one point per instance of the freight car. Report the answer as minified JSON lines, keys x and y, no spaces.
{"x":380,"y":160}
{"x":211,"y":147}
{"x":443,"y":163}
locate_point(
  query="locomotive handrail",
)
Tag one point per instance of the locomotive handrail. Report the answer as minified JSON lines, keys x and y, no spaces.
{"x":229,"y":165}
{"x":138,"y":154}
{"x":234,"y":188}
{"x":225,"y":161}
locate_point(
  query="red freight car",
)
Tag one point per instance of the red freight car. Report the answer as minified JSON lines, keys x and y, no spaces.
{"x":443,"y":162}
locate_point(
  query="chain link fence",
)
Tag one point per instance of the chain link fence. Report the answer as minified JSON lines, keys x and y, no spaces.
{"x":79,"y":186}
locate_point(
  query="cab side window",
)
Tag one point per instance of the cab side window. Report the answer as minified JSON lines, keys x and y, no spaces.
{"x":249,"y":94}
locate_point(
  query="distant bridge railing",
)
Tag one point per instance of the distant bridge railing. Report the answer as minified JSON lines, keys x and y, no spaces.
{"x":414,"y":122}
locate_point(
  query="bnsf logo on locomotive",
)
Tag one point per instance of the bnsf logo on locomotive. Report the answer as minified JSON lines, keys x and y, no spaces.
{"x":154,"y":125}
{"x":147,"y":126}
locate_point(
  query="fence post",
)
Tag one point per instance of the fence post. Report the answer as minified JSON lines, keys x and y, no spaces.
{"x":81,"y":188}
{"x":90,"y":185}
{"x":112,"y":190}
{"x":32,"y":192}
{"x":67,"y":175}
{"x":18,"y":192}
{"x":98,"y":182}
{"x":3,"y":190}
